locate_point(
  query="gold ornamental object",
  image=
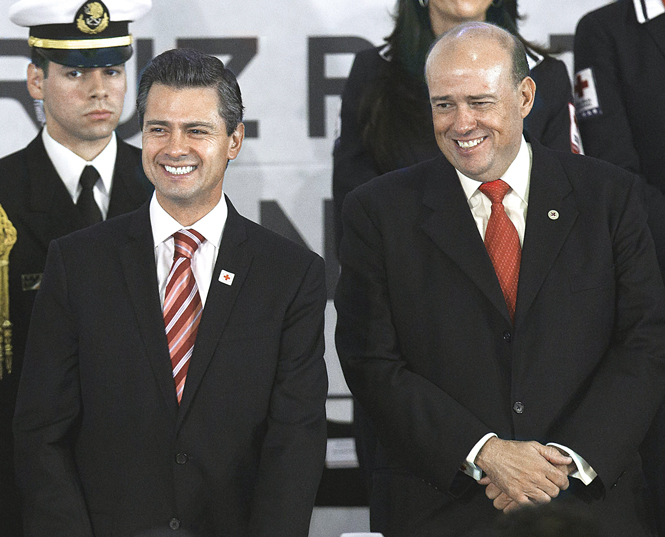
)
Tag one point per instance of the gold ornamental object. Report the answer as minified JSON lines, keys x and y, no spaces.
{"x":7,"y":240}
{"x":94,"y":18}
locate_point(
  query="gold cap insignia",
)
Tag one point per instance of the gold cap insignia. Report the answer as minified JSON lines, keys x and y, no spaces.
{"x":92,"y":18}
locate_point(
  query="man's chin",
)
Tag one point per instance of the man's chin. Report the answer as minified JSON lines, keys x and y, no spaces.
{"x":98,"y":130}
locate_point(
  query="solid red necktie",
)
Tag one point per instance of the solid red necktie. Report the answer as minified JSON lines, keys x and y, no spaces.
{"x":503,"y":243}
{"x":182,"y":305}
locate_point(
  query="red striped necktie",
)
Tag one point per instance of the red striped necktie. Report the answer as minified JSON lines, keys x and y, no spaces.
{"x":502,"y":243}
{"x":182,"y":305}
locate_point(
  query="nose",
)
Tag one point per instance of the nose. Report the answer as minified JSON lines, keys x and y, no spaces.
{"x":465,"y":120}
{"x":176,"y":145}
{"x":98,"y":89}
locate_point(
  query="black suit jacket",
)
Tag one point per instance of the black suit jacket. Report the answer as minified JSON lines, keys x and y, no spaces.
{"x":428,"y":349}
{"x":41,"y":209}
{"x":628,"y":63}
{"x":102,"y":447}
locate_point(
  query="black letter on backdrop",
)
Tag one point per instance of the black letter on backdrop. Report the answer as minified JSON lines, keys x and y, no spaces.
{"x":273,"y":217}
{"x":319,"y":85}
{"x":241,"y":50}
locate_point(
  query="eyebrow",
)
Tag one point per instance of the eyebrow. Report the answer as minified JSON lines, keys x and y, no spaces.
{"x":482,"y":96}
{"x":468,"y":97}
{"x":164,"y":123}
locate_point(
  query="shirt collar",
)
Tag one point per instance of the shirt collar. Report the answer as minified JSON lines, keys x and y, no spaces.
{"x":645,"y":10}
{"x":69,"y":165}
{"x":517,"y":175}
{"x":211,"y":226}
{"x":533,"y":59}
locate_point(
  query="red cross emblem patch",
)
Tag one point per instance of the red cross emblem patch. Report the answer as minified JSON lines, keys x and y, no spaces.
{"x":226,"y":277}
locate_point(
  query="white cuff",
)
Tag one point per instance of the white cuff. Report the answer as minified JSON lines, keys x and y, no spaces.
{"x":469,"y":467}
{"x":584,"y":472}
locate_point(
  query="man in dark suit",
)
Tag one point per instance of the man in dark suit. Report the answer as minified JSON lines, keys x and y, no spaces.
{"x":619,"y":80}
{"x":214,"y":426}
{"x":504,"y":358}
{"x":79,"y":78}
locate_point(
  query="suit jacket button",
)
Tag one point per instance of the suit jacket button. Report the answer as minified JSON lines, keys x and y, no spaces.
{"x":518,"y":407}
{"x":506,"y":336}
{"x":174,"y":524}
{"x":181,"y":458}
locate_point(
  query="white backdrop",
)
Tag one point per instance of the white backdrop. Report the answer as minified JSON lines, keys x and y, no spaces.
{"x":282,"y":176}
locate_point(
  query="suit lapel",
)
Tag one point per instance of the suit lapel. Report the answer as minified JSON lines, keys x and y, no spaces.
{"x":234,"y":257}
{"x":550,"y":216}
{"x":138,"y":266}
{"x":54,"y":211}
{"x":452,"y":228}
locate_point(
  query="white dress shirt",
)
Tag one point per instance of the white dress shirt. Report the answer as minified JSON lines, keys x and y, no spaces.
{"x":516,"y":199}
{"x":516,"y":202}
{"x":211,"y":226}
{"x":70,"y":166}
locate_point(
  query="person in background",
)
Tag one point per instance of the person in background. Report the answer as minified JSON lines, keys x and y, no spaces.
{"x":74,"y":173}
{"x":619,"y":80}
{"x":386,"y":120}
{"x":500,"y":314}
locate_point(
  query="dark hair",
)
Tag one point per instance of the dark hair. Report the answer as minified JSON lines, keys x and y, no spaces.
{"x":40,"y":61}
{"x":188,"y":68}
{"x":391,"y":113}
{"x":520,"y":65}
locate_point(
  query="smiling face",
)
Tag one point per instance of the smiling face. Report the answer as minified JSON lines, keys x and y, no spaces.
{"x":82,"y":105}
{"x":477,"y":108}
{"x":186,"y":149}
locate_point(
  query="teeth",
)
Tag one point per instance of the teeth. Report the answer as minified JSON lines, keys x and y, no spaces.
{"x":470,"y":143}
{"x":180,"y":170}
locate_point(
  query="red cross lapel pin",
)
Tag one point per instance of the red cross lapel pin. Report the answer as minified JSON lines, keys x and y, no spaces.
{"x":226,"y":277}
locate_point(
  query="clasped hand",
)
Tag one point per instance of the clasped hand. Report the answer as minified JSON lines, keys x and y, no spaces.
{"x":522,"y":473}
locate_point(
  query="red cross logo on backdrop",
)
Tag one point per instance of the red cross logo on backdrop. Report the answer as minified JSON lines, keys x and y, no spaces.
{"x":580,"y":86}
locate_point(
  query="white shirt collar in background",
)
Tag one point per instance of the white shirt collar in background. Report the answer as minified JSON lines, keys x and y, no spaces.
{"x":645,"y":10}
{"x":70,"y":166}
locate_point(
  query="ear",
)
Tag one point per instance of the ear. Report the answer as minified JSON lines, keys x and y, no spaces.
{"x":35,"y":82}
{"x":236,"y":141}
{"x":527,"y":93}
